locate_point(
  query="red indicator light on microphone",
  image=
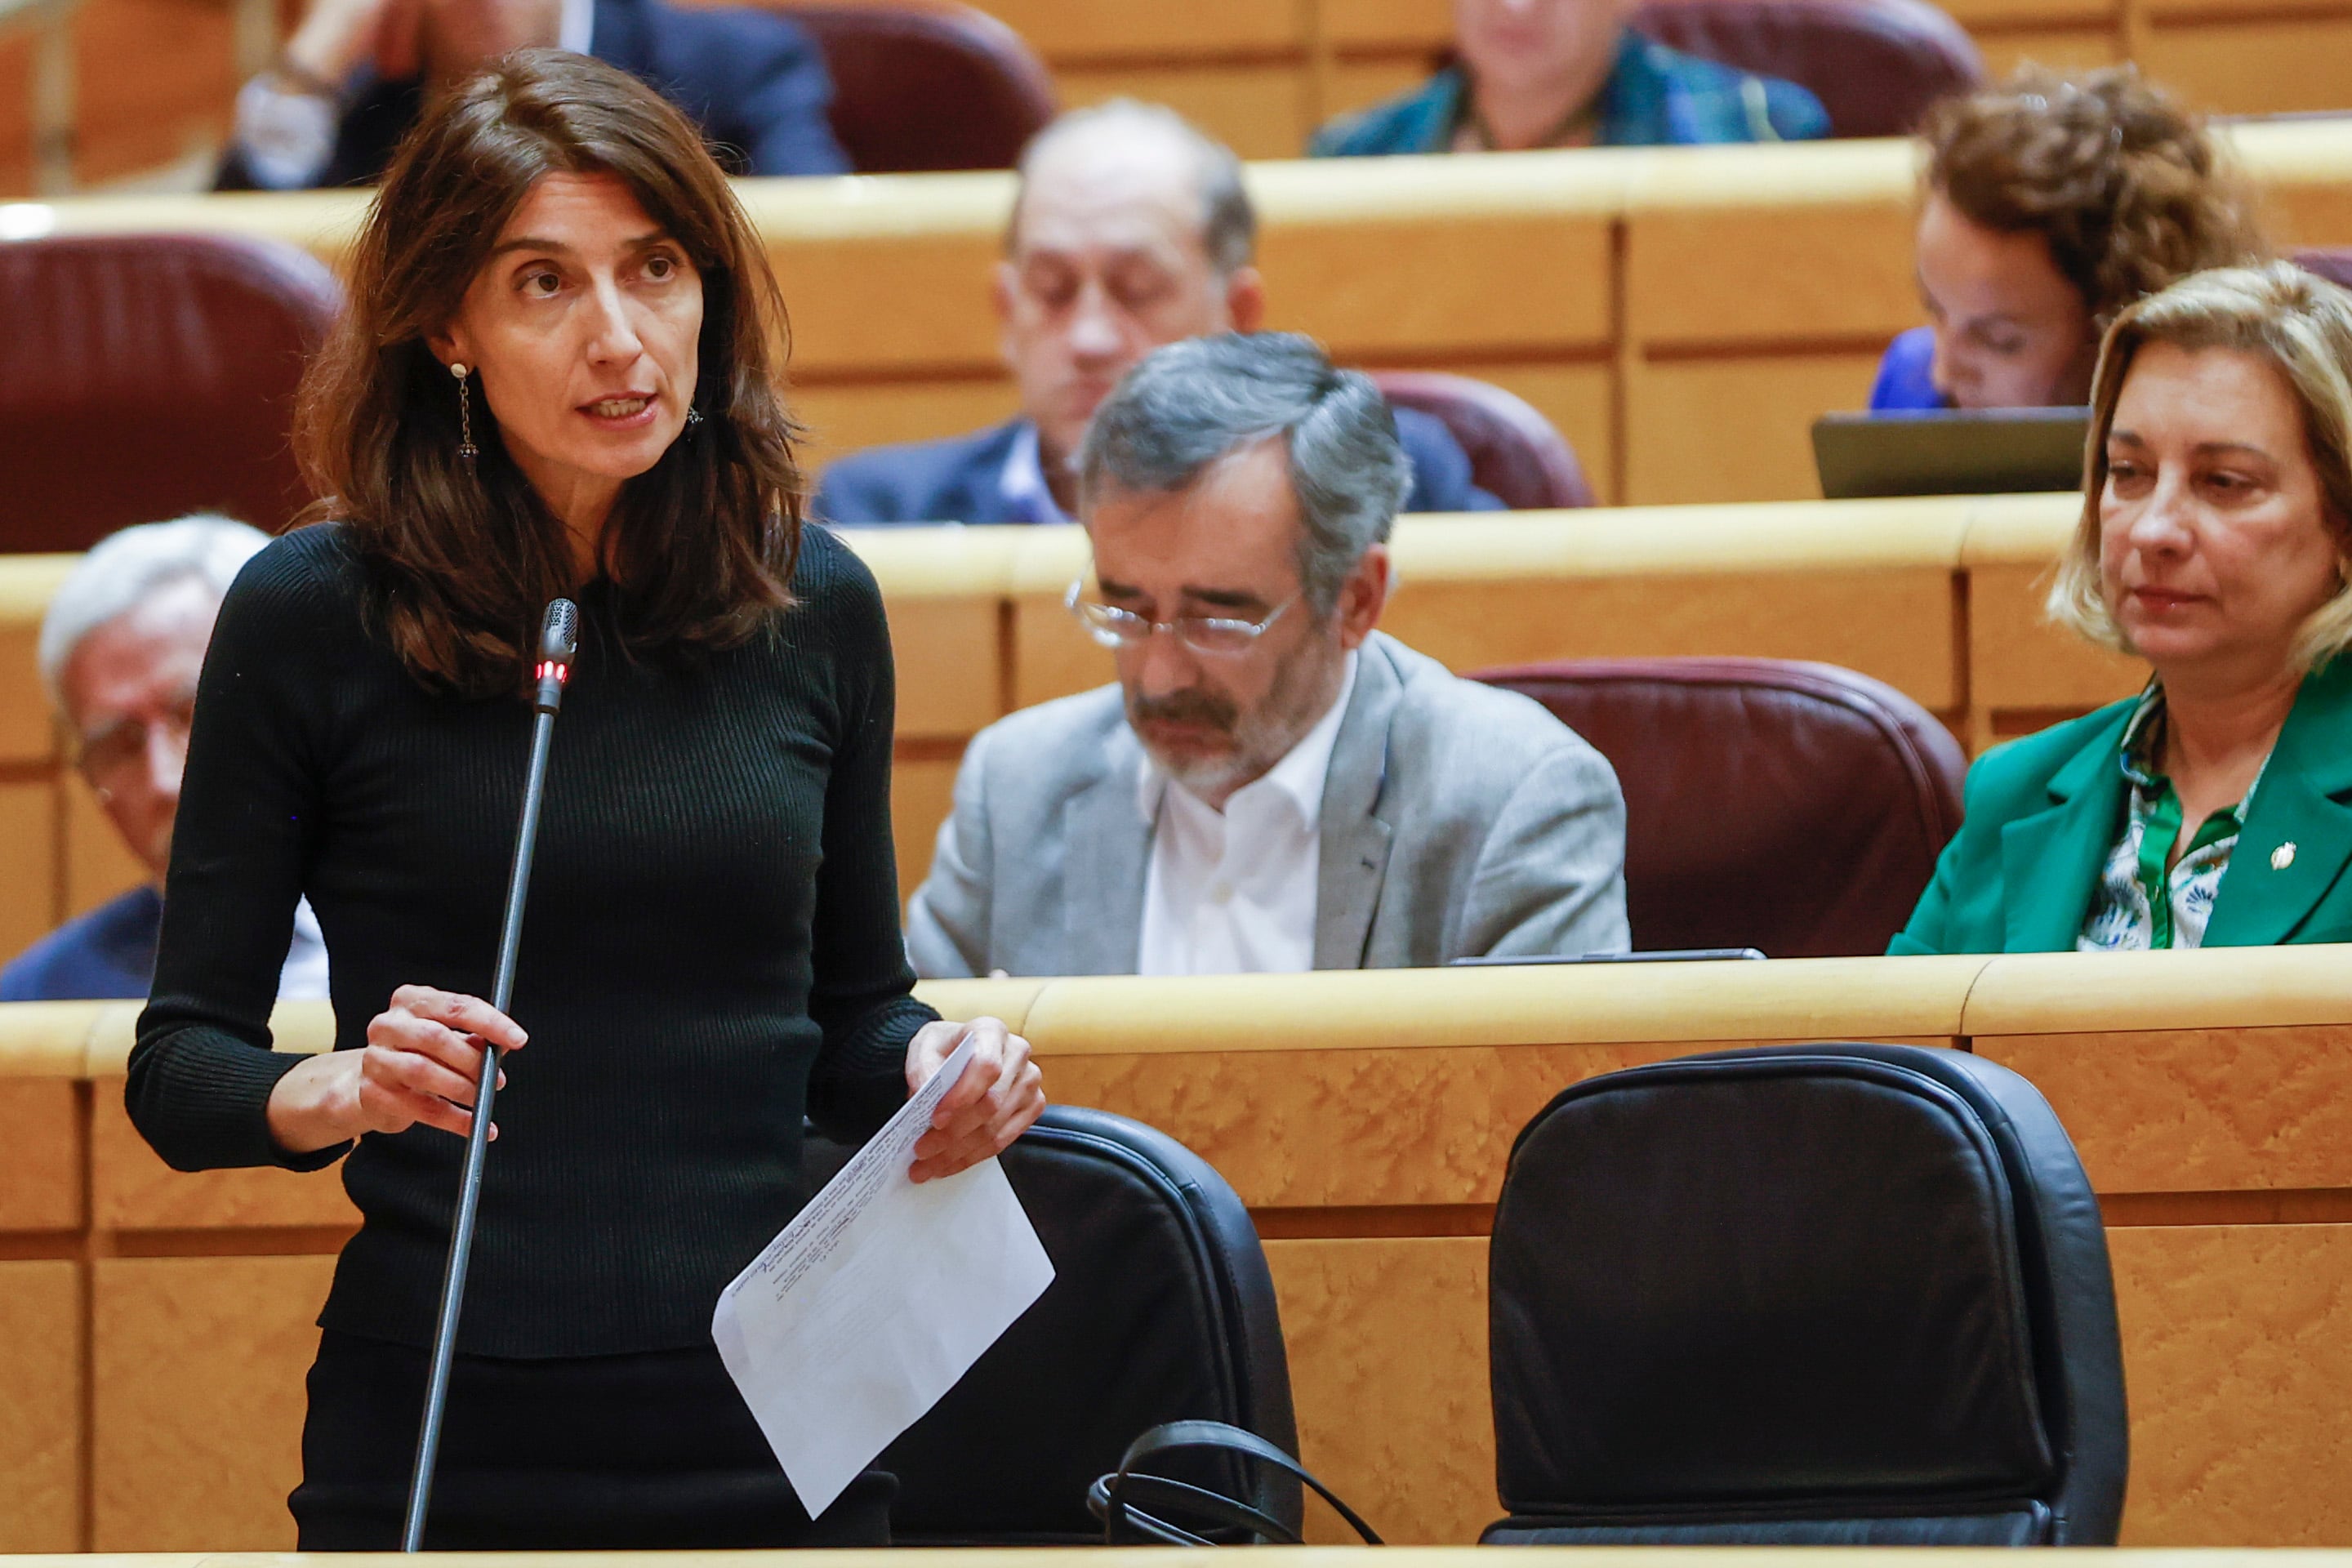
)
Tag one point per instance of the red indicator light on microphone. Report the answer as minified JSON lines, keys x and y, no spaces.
{"x":563,"y":672}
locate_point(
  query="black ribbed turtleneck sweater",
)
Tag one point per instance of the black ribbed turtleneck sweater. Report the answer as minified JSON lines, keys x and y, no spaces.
{"x":711,"y":944}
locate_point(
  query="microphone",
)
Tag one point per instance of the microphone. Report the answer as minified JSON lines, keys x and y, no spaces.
{"x":558,"y":640}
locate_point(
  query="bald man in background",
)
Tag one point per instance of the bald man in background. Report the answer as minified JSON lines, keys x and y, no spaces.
{"x":1130,"y":230}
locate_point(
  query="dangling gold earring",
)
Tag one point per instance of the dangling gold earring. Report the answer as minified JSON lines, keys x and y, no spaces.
{"x":464,"y":416}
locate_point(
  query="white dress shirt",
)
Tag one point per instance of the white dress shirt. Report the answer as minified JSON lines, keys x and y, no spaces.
{"x":288,"y":136}
{"x":303,"y":976}
{"x":1233,"y":892}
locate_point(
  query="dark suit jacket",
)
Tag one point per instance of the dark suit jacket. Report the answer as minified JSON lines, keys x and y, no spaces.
{"x":753,"y":80}
{"x":956,"y":479}
{"x":2044,"y":812}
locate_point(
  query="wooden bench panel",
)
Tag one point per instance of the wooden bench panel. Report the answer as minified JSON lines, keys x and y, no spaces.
{"x":197,"y":1399}
{"x":40,"y":1403}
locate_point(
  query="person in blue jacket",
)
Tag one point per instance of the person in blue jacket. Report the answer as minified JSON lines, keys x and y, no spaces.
{"x":120,"y":645}
{"x":352,"y":79}
{"x":1130,"y":230}
{"x":1570,"y":73}
{"x":2049,"y":203}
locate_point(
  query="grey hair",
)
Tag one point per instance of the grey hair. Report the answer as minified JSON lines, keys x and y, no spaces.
{"x":1228,"y":221}
{"x":126,"y":568}
{"x":1190,"y":403}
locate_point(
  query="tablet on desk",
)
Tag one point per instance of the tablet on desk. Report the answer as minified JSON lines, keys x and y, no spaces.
{"x":1950,"y":452}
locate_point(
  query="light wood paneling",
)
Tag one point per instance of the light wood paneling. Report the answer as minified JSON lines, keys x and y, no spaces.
{"x":1260,"y":110}
{"x":26,"y":733}
{"x":1388,"y":23}
{"x":197,"y":1399}
{"x":1702,"y":430}
{"x":1360,"y":84}
{"x":98,"y":864}
{"x":2237,"y":1349}
{"x":16,"y":173}
{"x":1978,"y":15}
{"x":1360,"y":1128}
{"x":847,"y":417}
{"x":40,"y":1154}
{"x":912,"y":302}
{"x":2017,"y":659}
{"x":28,"y":862}
{"x":922,"y":793}
{"x":152,"y":77}
{"x":1420,"y":299}
{"x":2059,"y":49}
{"x":1700,"y":274}
{"x":951,"y":645}
{"x":2197,"y":1110}
{"x":40,"y":1406}
{"x":1146,"y":30}
{"x":1387,"y":1341}
{"x":2270,"y":66}
{"x":133,"y":1189}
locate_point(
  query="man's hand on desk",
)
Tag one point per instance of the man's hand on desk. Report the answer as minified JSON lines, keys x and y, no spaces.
{"x":1000,"y":1094}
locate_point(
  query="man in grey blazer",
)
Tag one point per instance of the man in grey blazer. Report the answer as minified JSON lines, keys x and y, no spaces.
{"x":1272,"y":784}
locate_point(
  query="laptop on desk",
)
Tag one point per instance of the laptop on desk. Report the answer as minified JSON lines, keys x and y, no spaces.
{"x":1949,"y":452}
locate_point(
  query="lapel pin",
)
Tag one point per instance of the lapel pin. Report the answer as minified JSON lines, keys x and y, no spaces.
{"x":2283,"y":856}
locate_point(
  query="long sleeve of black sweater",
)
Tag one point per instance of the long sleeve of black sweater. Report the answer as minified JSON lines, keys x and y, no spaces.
{"x":711,"y":946}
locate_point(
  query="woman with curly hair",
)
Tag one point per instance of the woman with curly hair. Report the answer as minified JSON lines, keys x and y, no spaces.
{"x":2051,"y":204}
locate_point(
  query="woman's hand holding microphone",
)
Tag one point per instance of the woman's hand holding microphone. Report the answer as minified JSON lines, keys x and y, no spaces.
{"x":423,"y":1058}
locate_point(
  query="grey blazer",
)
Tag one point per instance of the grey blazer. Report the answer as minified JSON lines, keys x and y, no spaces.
{"x":1458,"y":820}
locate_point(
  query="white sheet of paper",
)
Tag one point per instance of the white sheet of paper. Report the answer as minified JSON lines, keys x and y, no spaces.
{"x":874,"y":1300}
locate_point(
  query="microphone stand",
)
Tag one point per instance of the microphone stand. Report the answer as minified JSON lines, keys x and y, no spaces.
{"x":557,"y":641}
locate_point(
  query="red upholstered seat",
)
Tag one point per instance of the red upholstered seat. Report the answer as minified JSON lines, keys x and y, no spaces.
{"x":1798,"y":808}
{"x":2335,"y":266}
{"x":146,"y":376}
{"x":1876,"y":65}
{"x":919,"y":86}
{"x":1515,"y":454}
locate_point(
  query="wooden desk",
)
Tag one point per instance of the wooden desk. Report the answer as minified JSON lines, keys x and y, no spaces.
{"x":1682,"y":314}
{"x":1939,"y":598}
{"x":1261,"y":76}
{"x":1365,"y":1120}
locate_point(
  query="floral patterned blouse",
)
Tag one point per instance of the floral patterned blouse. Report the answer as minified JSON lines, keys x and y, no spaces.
{"x":2139,"y":904}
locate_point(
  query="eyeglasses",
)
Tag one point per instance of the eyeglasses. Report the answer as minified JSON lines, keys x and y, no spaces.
{"x":120,"y":750}
{"x":1214,"y":634}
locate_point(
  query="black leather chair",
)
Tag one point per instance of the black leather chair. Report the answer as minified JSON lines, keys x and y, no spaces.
{"x":1829,"y":1294}
{"x":1160,"y":1309}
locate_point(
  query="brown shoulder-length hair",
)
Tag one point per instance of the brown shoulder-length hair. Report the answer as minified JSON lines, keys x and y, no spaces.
{"x":462,"y":559}
{"x":2127,"y":189}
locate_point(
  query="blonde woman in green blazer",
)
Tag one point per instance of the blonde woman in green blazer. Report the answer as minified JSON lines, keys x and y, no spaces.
{"x":2215,"y":809}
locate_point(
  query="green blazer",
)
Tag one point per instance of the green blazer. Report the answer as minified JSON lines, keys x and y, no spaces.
{"x":2044,"y":812}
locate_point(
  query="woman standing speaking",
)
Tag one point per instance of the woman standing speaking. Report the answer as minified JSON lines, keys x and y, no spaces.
{"x":555,"y":378}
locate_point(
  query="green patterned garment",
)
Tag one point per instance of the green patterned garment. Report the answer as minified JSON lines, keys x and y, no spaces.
{"x":2139,"y":904}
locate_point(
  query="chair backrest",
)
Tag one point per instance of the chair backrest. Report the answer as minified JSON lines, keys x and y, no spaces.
{"x":1515,"y":454}
{"x":918,"y":85}
{"x":1876,"y":65}
{"x":2335,"y":266}
{"x":1794,"y":807}
{"x":146,"y":376}
{"x":1160,"y":1309}
{"x":1824,"y":1295}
